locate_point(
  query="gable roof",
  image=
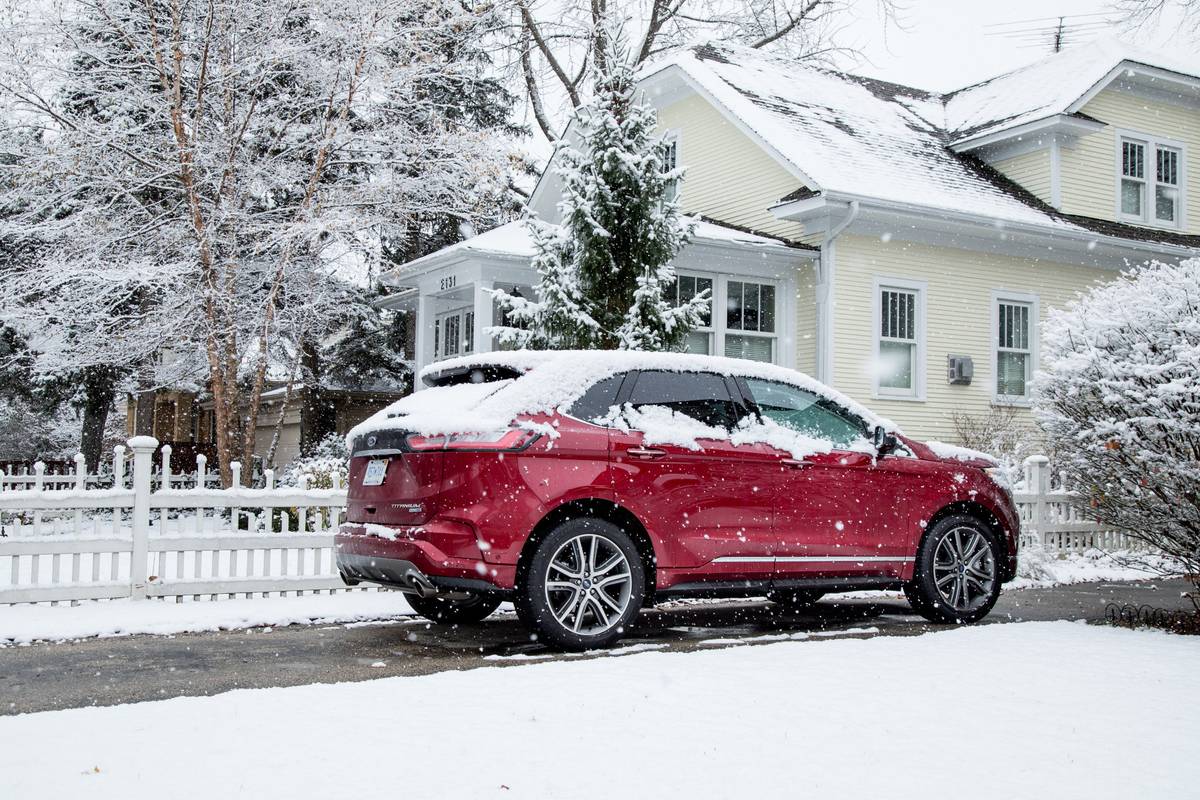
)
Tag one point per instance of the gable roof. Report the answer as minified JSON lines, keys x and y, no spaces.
{"x":857,"y":137}
{"x":848,"y":135}
{"x":1049,"y":87}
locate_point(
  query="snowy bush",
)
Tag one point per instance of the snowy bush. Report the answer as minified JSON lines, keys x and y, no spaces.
{"x":1002,"y":435}
{"x":329,"y":458}
{"x":1119,"y":399}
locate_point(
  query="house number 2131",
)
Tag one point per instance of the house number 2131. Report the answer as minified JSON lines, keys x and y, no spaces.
{"x":449,"y":282}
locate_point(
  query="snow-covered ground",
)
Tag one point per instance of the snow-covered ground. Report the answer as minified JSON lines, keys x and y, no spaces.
{"x":27,"y":623}
{"x":996,"y":711}
{"x":1037,"y":568}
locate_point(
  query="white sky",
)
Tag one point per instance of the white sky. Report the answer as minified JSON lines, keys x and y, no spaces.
{"x":945,"y":45}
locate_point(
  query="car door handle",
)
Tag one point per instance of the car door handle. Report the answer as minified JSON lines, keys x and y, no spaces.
{"x":646,"y":452}
{"x":796,"y":463}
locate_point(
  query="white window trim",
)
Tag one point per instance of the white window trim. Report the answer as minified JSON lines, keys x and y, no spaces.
{"x":673,"y":136}
{"x":1151,"y":143}
{"x":999,"y":296}
{"x":720,"y":295}
{"x":921,"y":288}
{"x":439,"y":319}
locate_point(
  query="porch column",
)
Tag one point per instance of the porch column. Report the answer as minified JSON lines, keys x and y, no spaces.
{"x":423,"y":349}
{"x":483,"y":316}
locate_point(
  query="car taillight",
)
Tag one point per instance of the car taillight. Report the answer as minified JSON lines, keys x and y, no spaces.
{"x":510,"y":439}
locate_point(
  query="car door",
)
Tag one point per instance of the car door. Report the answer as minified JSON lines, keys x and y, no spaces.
{"x":837,"y":513}
{"x":704,"y":500}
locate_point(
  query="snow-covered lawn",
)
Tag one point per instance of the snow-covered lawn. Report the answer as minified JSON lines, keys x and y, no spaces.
{"x":1037,"y":567}
{"x":1060,"y":710}
{"x":27,"y":623}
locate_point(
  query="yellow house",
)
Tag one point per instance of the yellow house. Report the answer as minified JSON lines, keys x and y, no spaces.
{"x":897,"y":244}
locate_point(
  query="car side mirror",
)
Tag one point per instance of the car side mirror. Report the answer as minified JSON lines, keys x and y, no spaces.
{"x":884,"y":442}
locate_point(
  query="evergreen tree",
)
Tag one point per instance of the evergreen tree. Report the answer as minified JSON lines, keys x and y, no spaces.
{"x":604,"y":273}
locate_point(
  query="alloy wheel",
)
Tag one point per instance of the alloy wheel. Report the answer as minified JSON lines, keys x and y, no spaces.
{"x":588,"y":584}
{"x":964,"y":569}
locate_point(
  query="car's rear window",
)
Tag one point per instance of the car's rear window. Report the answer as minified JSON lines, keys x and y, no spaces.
{"x":598,"y":400}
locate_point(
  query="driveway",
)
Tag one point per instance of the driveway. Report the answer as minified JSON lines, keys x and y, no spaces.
{"x":124,"y":670}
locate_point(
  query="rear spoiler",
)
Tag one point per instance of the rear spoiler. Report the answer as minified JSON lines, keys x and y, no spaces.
{"x":471,"y":373}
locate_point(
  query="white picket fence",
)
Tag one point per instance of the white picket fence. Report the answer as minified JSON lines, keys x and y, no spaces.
{"x":79,"y":543}
{"x":1050,"y":519}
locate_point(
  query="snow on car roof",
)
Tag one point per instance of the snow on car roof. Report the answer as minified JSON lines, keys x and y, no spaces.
{"x":559,"y":376}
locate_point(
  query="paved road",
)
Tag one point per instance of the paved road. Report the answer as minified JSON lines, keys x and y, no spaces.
{"x":123,"y":670}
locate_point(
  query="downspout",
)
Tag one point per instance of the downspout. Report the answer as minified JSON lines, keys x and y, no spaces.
{"x":825,"y":297}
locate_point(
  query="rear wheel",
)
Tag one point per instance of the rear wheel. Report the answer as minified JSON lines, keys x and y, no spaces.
{"x":584,"y":586}
{"x":458,"y":611}
{"x":795,"y":599}
{"x":957,"y":575}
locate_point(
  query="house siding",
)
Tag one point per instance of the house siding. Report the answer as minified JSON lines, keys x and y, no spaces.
{"x":960,"y":285}
{"x":1029,"y":170}
{"x":1089,"y":168}
{"x":806,"y":321}
{"x":729,"y":177}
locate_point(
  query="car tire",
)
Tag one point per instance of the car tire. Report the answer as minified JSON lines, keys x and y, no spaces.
{"x":584,"y":586}
{"x":795,"y":599}
{"x":447,"y":611}
{"x":956,"y":579}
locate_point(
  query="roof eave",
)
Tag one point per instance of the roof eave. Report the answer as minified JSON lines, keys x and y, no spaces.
{"x":814,"y":211}
{"x":1066,"y":125}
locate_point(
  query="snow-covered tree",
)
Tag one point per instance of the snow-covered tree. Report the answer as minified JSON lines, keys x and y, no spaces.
{"x":605,"y":270}
{"x":554,"y":47}
{"x":194,"y":181}
{"x":1120,"y":402}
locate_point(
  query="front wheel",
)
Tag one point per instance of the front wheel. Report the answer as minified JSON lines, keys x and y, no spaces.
{"x":957,"y":576}
{"x":458,"y":611}
{"x":584,"y":586}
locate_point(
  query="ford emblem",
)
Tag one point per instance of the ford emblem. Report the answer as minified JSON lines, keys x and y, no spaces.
{"x":371,"y":441}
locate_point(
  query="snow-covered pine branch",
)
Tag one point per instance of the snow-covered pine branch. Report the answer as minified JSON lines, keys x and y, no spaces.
{"x":604,"y":273}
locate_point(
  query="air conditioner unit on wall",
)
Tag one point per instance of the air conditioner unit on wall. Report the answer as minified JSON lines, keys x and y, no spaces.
{"x":960,"y":370}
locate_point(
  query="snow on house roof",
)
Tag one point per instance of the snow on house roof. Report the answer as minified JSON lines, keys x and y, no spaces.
{"x":850,"y":135}
{"x":1043,"y":89}
{"x":860,"y":137}
{"x":512,"y":239}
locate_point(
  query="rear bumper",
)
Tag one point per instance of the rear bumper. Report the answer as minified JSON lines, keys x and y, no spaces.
{"x":405,"y":558}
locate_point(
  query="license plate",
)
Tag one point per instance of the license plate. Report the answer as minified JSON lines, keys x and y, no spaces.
{"x":376,"y":470}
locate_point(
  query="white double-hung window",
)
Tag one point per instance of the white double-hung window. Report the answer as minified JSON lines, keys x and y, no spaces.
{"x":1150,"y":181}
{"x":1014,"y":321}
{"x":899,"y":339}
{"x":748,"y":328}
{"x":750,"y":320}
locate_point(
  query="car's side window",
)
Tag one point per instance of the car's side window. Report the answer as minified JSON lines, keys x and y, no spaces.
{"x":598,"y":400}
{"x":804,"y":412}
{"x":703,"y":396}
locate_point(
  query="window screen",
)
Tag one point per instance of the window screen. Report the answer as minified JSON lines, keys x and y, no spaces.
{"x":703,"y":396}
{"x":1013,"y":349}
{"x":897,"y":339}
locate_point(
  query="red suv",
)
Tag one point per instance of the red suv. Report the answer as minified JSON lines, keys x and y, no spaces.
{"x":583,"y":486}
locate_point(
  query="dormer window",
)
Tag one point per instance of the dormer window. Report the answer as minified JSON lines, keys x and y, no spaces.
{"x":1150,"y":189}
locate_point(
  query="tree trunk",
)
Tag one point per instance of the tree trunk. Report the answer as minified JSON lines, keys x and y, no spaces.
{"x":99,"y":393}
{"x":318,"y":417}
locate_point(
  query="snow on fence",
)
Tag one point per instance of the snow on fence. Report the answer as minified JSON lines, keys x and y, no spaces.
{"x":77,"y":542}
{"x":1049,"y":517}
